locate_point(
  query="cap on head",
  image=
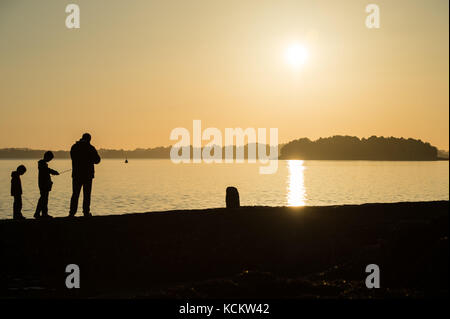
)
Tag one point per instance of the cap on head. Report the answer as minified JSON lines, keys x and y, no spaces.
{"x":21,"y":169}
{"x":86,"y":137}
{"x":48,"y":156}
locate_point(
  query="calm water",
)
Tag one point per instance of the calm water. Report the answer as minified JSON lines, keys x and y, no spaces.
{"x":155,"y":185}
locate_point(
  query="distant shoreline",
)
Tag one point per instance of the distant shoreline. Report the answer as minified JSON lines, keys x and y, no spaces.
{"x":334,"y":148}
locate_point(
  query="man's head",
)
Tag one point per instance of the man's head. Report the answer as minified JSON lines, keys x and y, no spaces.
{"x":21,"y":169}
{"x":48,"y":156}
{"x":86,"y":137}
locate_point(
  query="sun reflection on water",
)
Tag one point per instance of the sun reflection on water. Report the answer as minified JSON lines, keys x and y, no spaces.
{"x":296,"y":192}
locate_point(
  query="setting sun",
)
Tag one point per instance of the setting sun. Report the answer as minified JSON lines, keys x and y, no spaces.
{"x":296,"y":55}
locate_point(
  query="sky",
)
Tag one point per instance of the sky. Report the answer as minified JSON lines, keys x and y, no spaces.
{"x":135,"y":70}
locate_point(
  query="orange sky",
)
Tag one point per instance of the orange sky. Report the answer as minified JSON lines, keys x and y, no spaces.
{"x":137,"y":69}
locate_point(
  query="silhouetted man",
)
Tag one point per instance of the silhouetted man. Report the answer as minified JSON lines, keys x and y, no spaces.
{"x":84,"y":156}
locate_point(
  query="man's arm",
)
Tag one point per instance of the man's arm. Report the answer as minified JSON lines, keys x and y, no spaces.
{"x":95,"y":156}
{"x":72,"y":152}
{"x":53,"y":172}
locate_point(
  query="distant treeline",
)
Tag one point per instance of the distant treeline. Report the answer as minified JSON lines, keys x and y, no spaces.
{"x":157,"y":152}
{"x":442,"y":154}
{"x":25,"y":153}
{"x":353,"y":148}
{"x":330,"y":148}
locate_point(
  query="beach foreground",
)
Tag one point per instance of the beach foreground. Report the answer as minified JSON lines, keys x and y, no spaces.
{"x":250,"y":252}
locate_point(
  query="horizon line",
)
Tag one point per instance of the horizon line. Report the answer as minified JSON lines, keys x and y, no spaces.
{"x":280,"y":144}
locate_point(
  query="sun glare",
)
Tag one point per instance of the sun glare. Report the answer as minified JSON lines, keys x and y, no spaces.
{"x":296,"y":192}
{"x":296,"y":55}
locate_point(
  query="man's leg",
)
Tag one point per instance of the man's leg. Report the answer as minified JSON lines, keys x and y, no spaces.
{"x":76,"y":189}
{"x":87,"y":188}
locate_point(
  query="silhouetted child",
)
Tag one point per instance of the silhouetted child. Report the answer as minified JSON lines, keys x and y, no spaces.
{"x":16,"y":191}
{"x":45,"y":185}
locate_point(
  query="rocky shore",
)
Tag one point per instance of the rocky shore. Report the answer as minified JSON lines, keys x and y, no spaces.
{"x":249,"y":252}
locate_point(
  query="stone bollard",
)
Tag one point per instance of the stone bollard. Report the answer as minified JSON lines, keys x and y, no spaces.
{"x":232,"y":197}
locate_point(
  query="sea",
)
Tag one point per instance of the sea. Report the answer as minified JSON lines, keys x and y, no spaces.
{"x":150,"y":185}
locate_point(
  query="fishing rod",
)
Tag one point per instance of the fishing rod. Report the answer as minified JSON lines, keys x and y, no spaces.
{"x":66,"y":171}
{"x":29,"y":202}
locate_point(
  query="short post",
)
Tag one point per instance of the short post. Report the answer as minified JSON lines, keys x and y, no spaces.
{"x":232,"y":197}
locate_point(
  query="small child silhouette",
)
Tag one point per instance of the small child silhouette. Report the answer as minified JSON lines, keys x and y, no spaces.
{"x":16,"y":191}
{"x":45,"y":185}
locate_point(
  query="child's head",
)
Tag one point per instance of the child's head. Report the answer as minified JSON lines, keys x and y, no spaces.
{"x":21,"y":169}
{"x":86,"y":137}
{"x":48,"y":156}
